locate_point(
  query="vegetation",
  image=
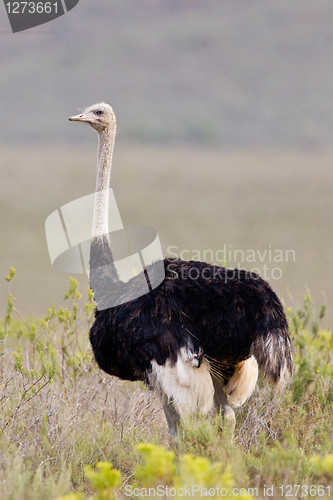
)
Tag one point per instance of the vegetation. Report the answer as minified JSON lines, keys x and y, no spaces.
{"x":69,"y":431}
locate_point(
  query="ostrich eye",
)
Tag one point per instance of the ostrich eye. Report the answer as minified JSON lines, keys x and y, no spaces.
{"x":99,"y":112}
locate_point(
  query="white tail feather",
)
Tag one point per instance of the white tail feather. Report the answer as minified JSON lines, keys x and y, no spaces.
{"x":190,"y":388}
{"x":242,"y":384}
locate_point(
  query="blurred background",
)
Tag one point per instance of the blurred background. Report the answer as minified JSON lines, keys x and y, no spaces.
{"x":225,"y":132}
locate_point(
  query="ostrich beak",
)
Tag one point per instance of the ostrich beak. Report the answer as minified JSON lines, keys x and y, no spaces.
{"x":79,"y":118}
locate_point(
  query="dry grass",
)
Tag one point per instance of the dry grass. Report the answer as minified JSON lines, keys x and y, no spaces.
{"x":52,"y":425}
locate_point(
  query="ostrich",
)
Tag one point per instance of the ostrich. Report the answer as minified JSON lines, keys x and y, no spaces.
{"x":197,"y":342}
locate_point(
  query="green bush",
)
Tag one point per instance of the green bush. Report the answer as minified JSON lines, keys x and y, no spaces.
{"x":161,"y":474}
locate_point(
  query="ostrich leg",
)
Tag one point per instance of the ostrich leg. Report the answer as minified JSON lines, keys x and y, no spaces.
{"x":221,"y":404}
{"x":172,"y":417}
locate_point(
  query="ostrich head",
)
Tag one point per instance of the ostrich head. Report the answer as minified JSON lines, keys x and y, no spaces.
{"x":99,"y":116}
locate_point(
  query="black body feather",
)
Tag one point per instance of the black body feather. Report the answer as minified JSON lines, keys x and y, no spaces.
{"x":226,"y":315}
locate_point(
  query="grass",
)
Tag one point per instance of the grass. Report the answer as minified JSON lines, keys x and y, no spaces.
{"x":60,"y":413}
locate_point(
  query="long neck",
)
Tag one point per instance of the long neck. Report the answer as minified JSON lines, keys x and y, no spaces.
{"x":104,"y":162}
{"x":103,"y":276}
